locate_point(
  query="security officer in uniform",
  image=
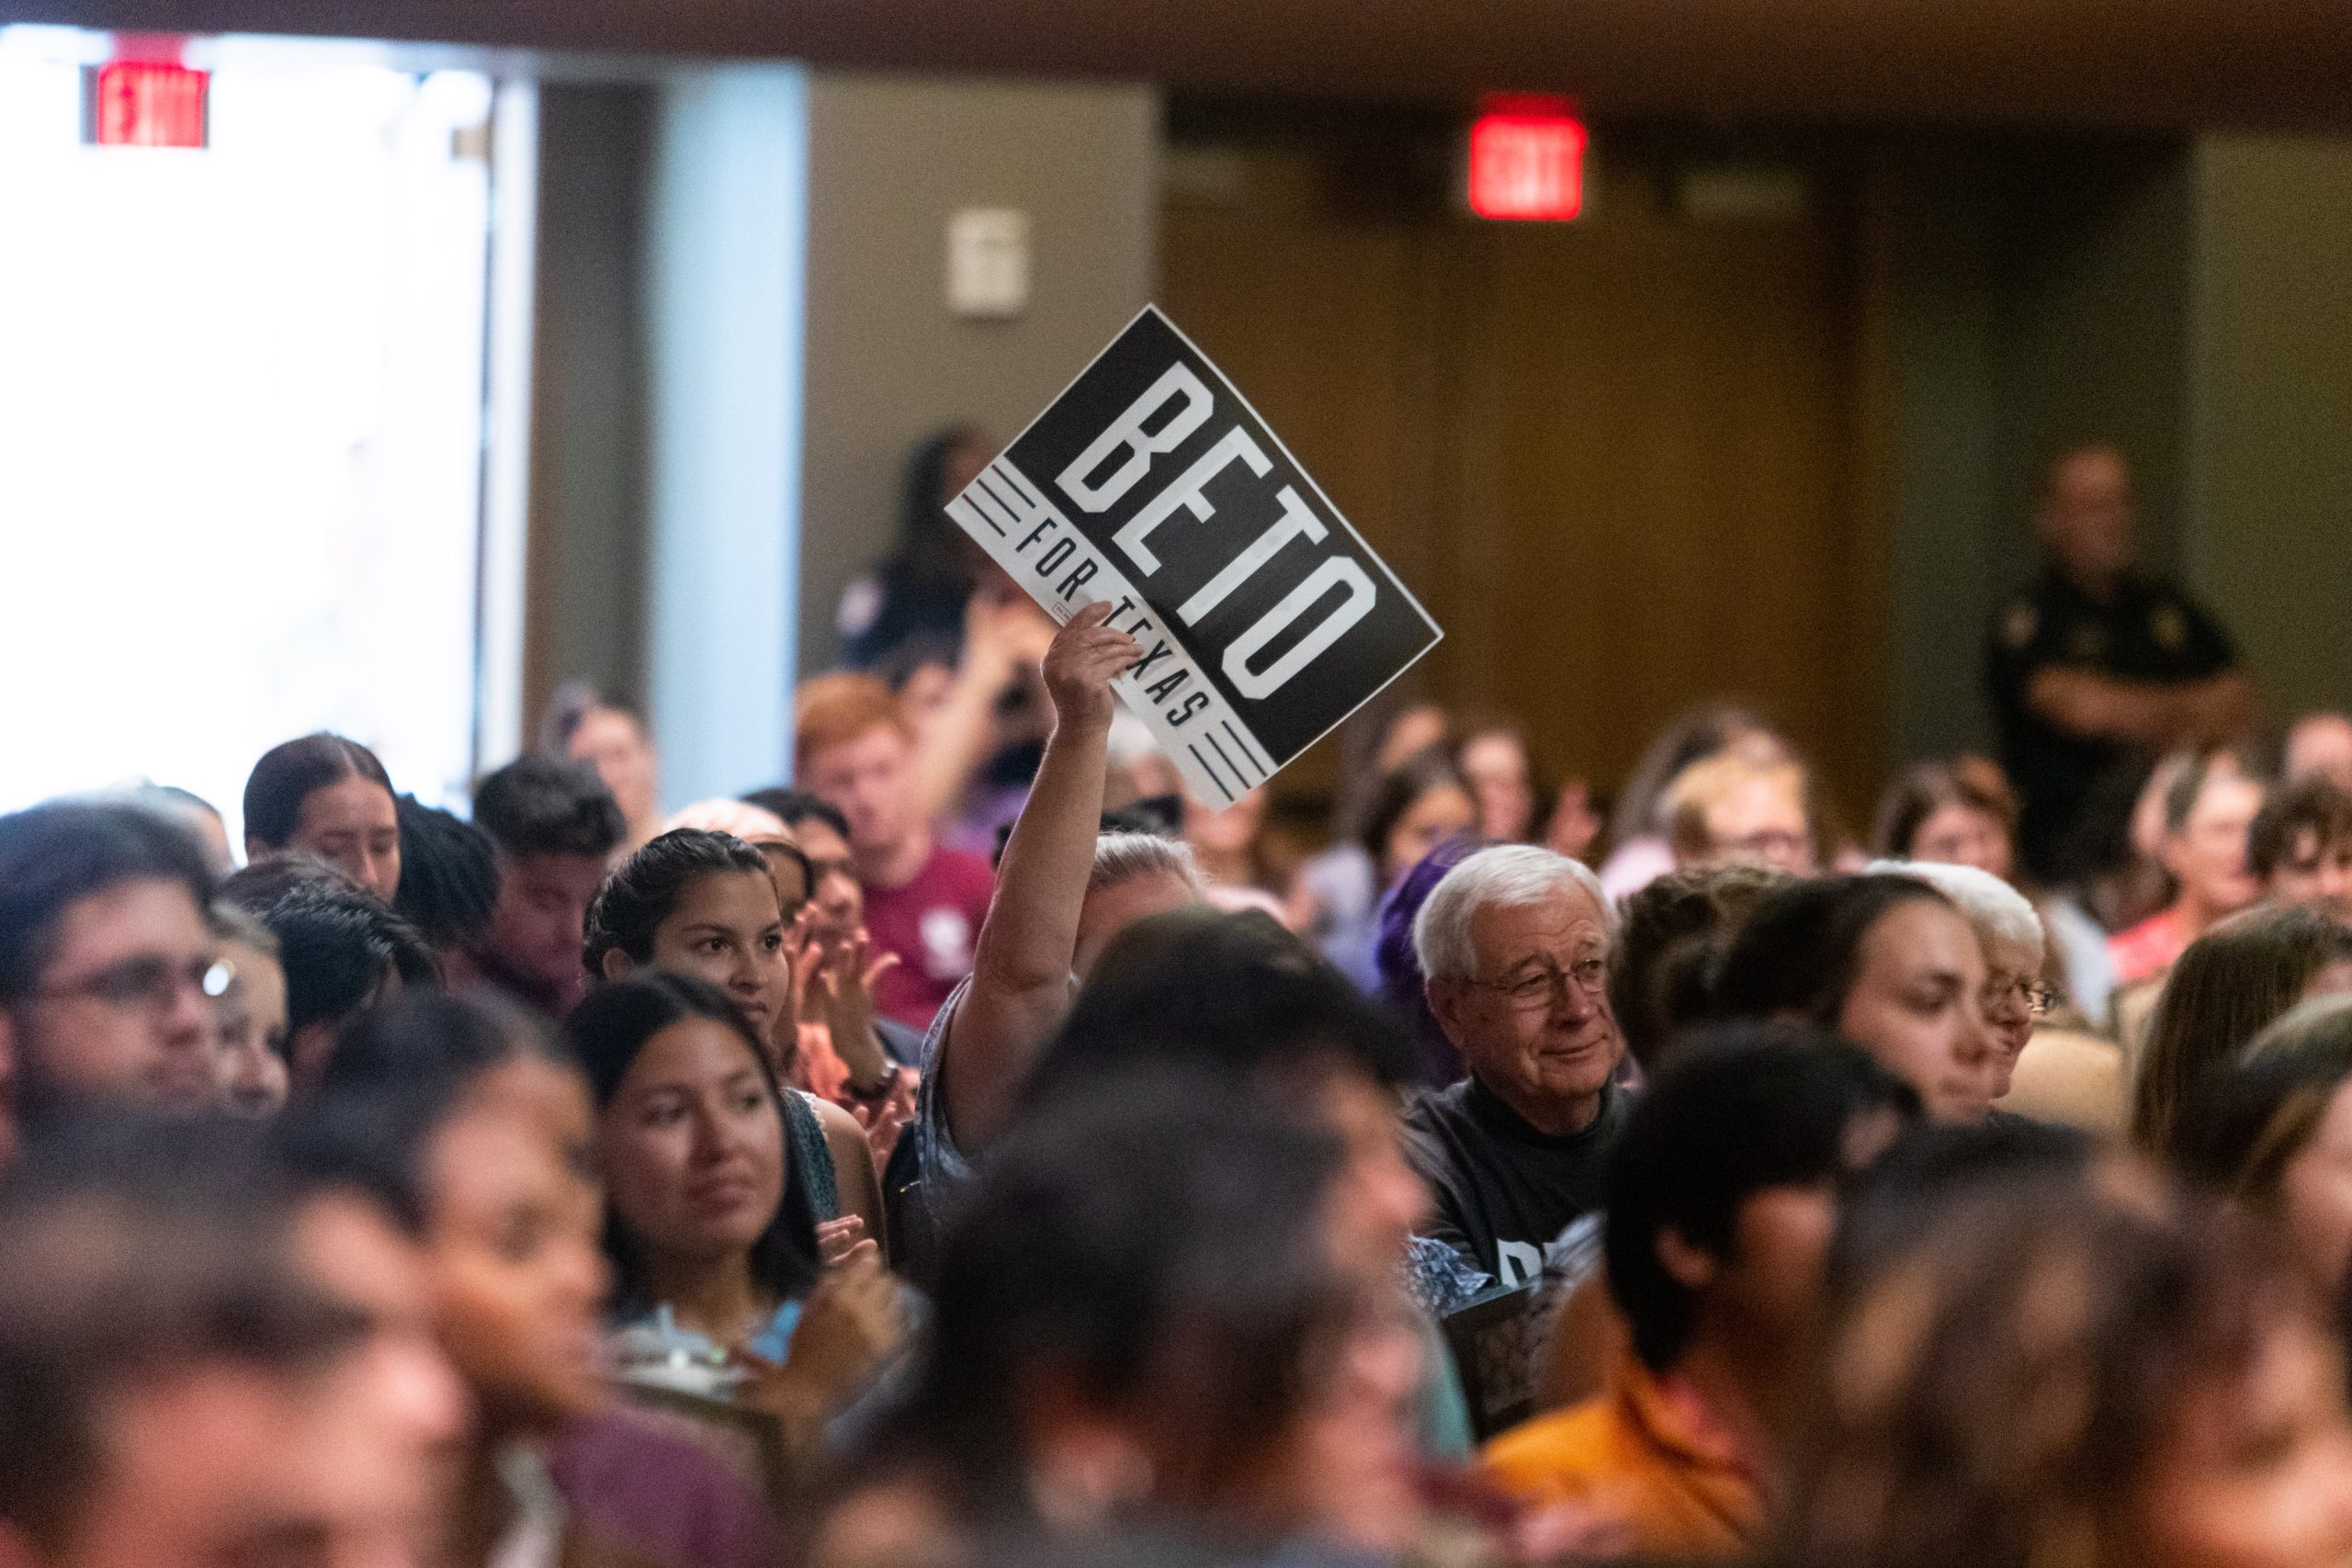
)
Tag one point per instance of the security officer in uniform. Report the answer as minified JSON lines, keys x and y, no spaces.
{"x":2099,"y":666}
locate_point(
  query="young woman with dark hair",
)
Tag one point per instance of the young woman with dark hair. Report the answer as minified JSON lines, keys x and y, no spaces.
{"x":704,"y":905}
{"x":2050,"y":1374}
{"x":331,"y":797}
{"x":714,"y":1177}
{"x":1886,"y":961}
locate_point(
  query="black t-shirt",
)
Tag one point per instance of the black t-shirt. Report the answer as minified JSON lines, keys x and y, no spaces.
{"x":1505,"y":1190}
{"x":2150,"y":630}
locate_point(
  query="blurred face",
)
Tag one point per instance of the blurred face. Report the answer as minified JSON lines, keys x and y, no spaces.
{"x":2256,"y":1472}
{"x":219,"y":1465}
{"x":1437,"y":816}
{"x":1917,"y":1005}
{"x":2320,"y":745}
{"x":512,"y":1264}
{"x":2012,"y":977}
{"x":2311,"y":872}
{"x":1227,"y":832}
{"x":249,"y":1042}
{"x":541,"y":915}
{"x":1770,"y":1283}
{"x":352,"y":826}
{"x":1108,"y":911}
{"x":2315,"y":1200}
{"x":1346,"y":1472}
{"x":728,"y":928}
{"x":839,"y":899}
{"x":1954,"y":834}
{"x":1496,"y":767}
{"x":2208,"y":855}
{"x":612,"y":742}
{"x":121,"y":1010}
{"x":1378,"y":1201}
{"x":691,"y":1144}
{"x":1761,"y":822}
{"x":870,"y":778}
{"x":2086,"y":519}
{"x":1533,"y":1021}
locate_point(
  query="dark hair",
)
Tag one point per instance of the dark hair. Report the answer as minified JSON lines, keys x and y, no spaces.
{"x":606,"y":1034}
{"x":288,"y":775}
{"x":538,"y":806}
{"x":2311,"y":805}
{"x":337,"y":942}
{"x":1900,"y":1201}
{"x":794,"y":807}
{"x":1419,"y":776}
{"x":2226,"y":986}
{"x":1670,"y":935}
{"x":1156,"y":1242}
{"x":927,"y":553}
{"x":2259,"y":1110}
{"x":1928,"y":788}
{"x":645,"y":888}
{"x":53,"y":856}
{"x":1691,"y":737}
{"x":1995,"y":1395}
{"x":1801,"y":950}
{"x":1742,"y":1110}
{"x":129,"y":1251}
{"x":1234,"y":997}
{"x":2182,"y":795}
{"x":449,"y":876}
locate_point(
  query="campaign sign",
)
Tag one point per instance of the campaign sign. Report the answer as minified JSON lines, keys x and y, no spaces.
{"x":1264,"y":619}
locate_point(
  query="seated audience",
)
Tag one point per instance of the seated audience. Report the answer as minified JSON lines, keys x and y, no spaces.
{"x":1671,"y":933}
{"x":2207,"y":811}
{"x":1494,"y":759}
{"x":1403,"y":986}
{"x":1420,"y":806}
{"x":330,"y":797}
{"x":490,"y":1129}
{"x":340,"y":950}
{"x":2009,"y":935}
{"x":923,"y":902}
{"x":1515,"y":945}
{"x":2319,"y":747}
{"x":974,"y":714}
{"x":2229,"y":986}
{"x":1640,"y":826}
{"x":1956,"y":813}
{"x":1886,"y":961}
{"x":2272,"y":1131}
{"x":2299,"y":848}
{"x":919,"y":592}
{"x":205,"y":1363}
{"x":1152,"y":1313}
{"x":2051,"y":1375}
{"x":249,"y":1064}
{"x":448,"y":885}
{"x":581,"y":727}
{"x":1749,"y":804}
{"x":1716,"y":1264}
{"x":722,"y":1205}
{"x":108,"y":968}
{"x":704,"y":905}
{"x":556,"y":828}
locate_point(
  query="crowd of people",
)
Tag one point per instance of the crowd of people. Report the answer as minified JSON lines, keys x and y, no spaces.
{"x":975,"y":1152}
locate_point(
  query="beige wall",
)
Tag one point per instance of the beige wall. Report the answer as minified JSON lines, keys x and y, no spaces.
{"x":889,"y":158}
{"x":2270,"y":440}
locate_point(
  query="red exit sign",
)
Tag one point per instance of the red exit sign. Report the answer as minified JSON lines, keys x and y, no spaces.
{"x":143,"y":102}
{"x":1527,"y":162}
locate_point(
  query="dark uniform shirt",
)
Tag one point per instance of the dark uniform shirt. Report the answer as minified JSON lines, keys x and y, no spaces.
{"x":2150,"y":631}
{"x":1504,"y":1190}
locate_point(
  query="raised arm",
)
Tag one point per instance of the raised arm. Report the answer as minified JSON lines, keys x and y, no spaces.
{"x":999,"y":637}
{"x":1021,"y":966}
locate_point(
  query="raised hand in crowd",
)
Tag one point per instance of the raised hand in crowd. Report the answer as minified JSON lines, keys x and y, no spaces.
{"x":1004,"y":636}
{"x":849,"y":1323}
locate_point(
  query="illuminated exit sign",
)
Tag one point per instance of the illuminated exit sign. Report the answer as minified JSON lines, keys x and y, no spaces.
{"x":1527,"y":162}
{"x":144,"y":103}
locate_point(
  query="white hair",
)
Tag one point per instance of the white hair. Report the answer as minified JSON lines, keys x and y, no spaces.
{"x":1123,"y":857}
{"x":1508,"y":876}
{"x":1998,"y":912}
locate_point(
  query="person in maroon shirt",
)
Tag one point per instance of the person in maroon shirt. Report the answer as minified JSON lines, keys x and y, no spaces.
{"x":923,"y":902}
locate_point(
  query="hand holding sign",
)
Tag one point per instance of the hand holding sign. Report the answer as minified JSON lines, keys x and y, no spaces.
{"x":1261,"y":619}
{"x":1085,"y":656}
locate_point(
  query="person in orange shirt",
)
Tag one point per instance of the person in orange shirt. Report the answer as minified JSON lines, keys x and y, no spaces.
{"x":1720,"y":1201}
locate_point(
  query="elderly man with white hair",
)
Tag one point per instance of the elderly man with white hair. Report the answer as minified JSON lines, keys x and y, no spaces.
{"x":1515,"y":945}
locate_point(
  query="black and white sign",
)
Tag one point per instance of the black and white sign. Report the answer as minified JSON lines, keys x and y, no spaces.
{"x":1264,"y":619}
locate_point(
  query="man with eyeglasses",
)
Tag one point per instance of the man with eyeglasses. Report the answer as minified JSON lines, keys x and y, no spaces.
{"x":109,"y":970}
{"x":1515,"y":945}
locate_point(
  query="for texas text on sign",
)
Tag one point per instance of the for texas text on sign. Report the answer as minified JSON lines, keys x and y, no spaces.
{"x":1264,"y":618}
